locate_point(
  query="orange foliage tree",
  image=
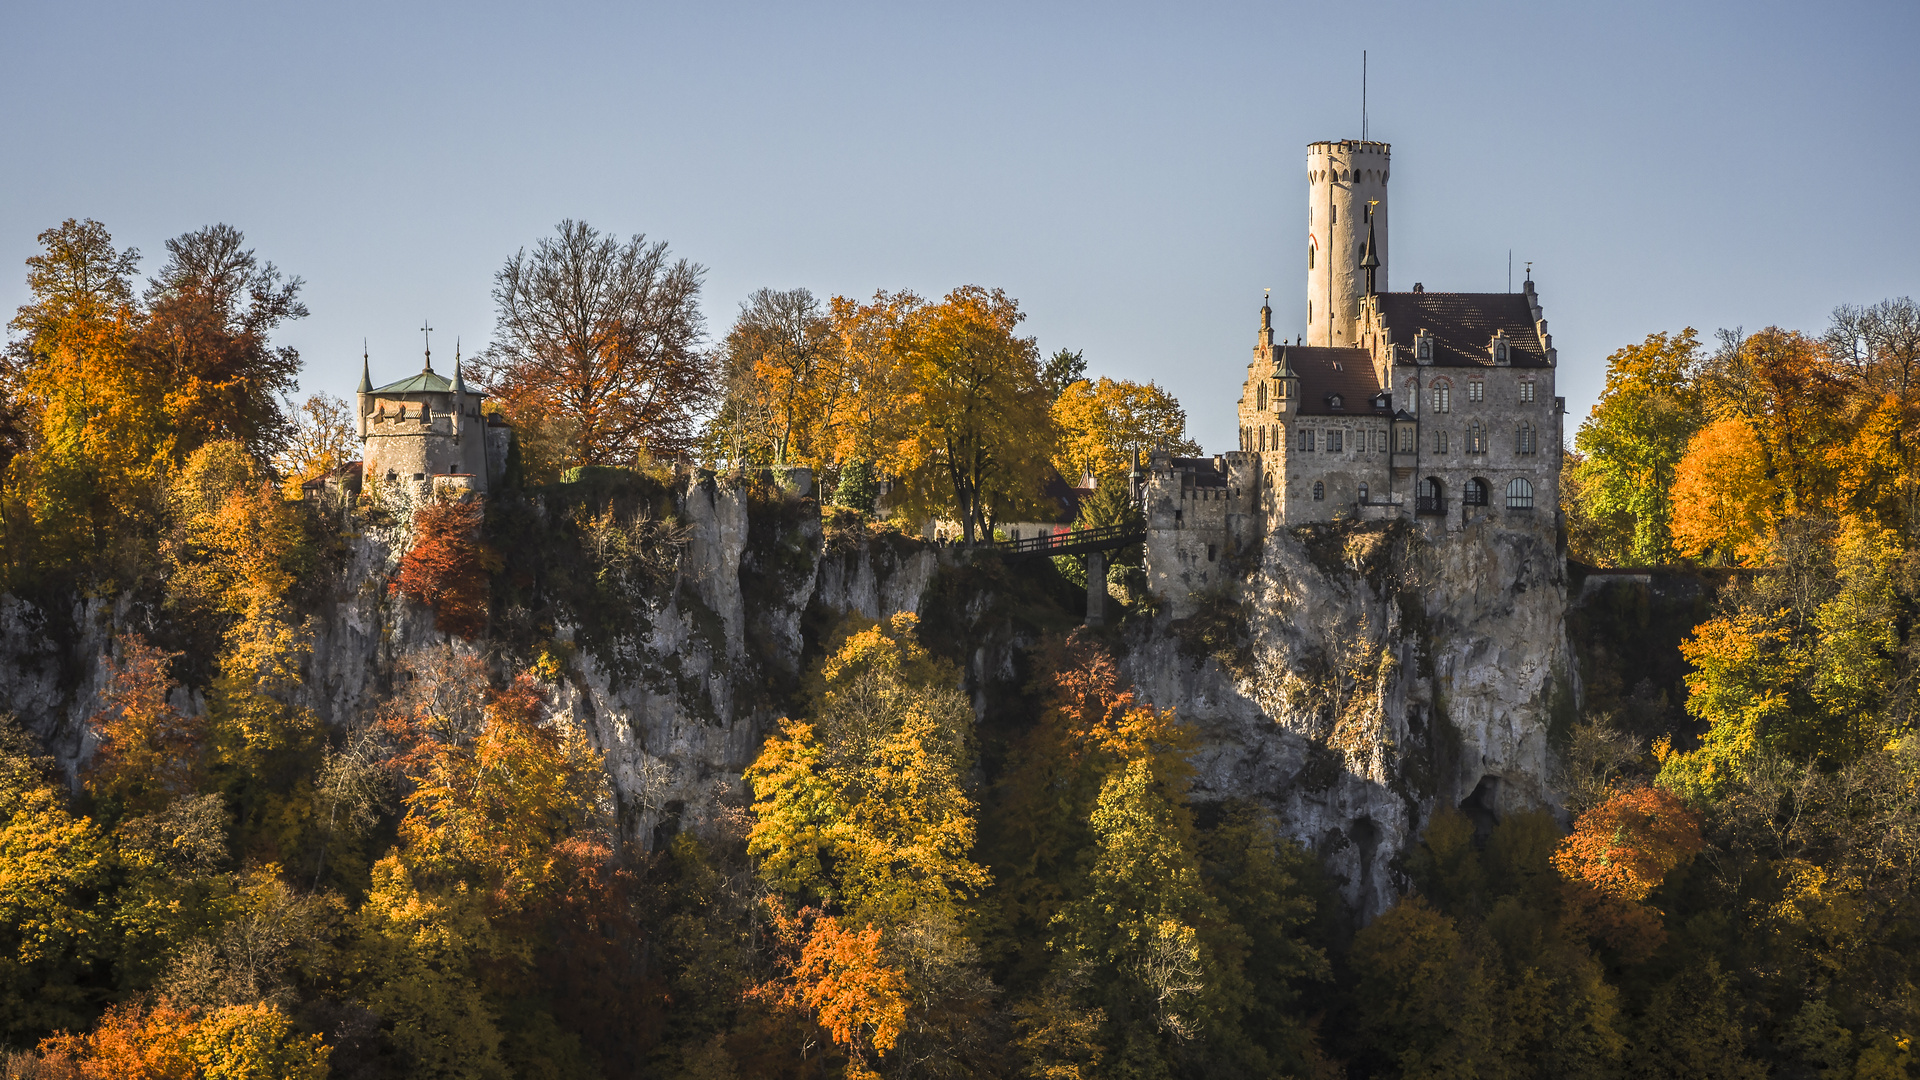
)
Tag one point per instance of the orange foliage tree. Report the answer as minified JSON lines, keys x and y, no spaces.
{"x":447,"y":566}
{"x":1722,"y":498}
{"x":149,"y":753}
{"x":842,"y":977}
{"x":1618,"y":853}
{"x":238,"y":1042}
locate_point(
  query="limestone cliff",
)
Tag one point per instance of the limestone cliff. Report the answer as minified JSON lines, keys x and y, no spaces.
{"x":1351,"y":677}
{"x":1355,"y":676}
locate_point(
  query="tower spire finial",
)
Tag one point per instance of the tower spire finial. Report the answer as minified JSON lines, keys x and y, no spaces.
{"x":366,"y":372}
{"x":428,"y":331}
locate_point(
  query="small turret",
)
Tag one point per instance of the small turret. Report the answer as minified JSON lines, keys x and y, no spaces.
{"x":1370,"y":259}
{"x":1286,"y":383}
{"x":363,"y":393}
{"x":459,"y":392}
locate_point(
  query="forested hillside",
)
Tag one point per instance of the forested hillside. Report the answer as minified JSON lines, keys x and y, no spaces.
{"x":336,"y":785}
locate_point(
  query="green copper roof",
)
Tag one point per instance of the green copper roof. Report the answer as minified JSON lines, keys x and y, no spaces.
{"x":427,"y":382}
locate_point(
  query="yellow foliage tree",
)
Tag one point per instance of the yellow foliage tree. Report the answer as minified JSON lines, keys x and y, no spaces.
{"x":978,"y":434}
{"x":1722,"y":497}
{"x":1104,"y":425}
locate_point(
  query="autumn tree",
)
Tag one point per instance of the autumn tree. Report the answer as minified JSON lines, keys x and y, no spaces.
{"x":149,"y":754}
{"x":864,"y":816}
{"x":1634,"y":440}
{"x":1106,"y":426}
{"x":209,"y":314}
{"x":873,"y":402}
{"x":1722,"y":497}
{"x":53,"y":926}
{"x":447,"y":567}
{"x":603,"y":337}
{"x":979,"y":436}
{"x":783,"y":381}
{"x":97,"y":431}
{"x":322,"y":439}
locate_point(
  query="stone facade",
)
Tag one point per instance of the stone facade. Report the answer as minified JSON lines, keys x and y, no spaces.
{"x":428,"y":433}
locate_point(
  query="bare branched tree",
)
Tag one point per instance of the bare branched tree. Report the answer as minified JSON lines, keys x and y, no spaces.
{"x":605,"y":337}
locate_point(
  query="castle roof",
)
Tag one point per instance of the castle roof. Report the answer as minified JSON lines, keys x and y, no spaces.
{"x":427,"y":382}
{"x":1326,"y":374}
{"x":1462,"y":325}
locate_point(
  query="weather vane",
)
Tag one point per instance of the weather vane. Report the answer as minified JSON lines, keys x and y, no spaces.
{"x":427,"y":332}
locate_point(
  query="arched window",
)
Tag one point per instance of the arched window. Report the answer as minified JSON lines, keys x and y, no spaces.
{"x":1442,"y":396}
{"x":1363,"y":493}
{"x":1430,"y":499}
{"x":1519,"y":494}
{"x":1309,"y":256}
{"x":1475,"y":493}
{"x":1260,"y":396}
{"x":1319,"y":491}
{"x":1476,"y":438}
{"x":1439,"y":442}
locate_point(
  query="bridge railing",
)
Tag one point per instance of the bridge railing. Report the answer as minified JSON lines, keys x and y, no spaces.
{"x":1075,"y":540}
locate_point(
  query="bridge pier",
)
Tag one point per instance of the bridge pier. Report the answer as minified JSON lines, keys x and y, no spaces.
{"x":1096,"y":588}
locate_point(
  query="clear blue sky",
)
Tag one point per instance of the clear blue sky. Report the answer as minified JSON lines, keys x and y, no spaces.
{"x":1133,"y":174}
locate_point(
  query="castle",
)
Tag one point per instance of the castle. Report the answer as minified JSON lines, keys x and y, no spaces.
{"x":1433,"y":406}
{"x":428,"y":432}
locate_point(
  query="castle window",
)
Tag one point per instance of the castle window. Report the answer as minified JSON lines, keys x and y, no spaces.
{"x":1476,"y":390}
{"x":1406,"y":439}
{"x":1476,"y":438}
{"x":1475,"y":493}
{"x":1309,"y":256}
{"x":1333,"y":401}
{"x":1260,"y":396}
{"x":1305,"y":439}
{"x":1439,"y":442}
{"x":1379,"y":442}
{"x":1335,"y":439}
{"x":1519,"y":494}
{"x":1319,"y":491}
{"x":1336,"y":215}
{"x":1523,"y":439}
{"x":1526,"y":390}
{"x":1430,"y":499}
{"x":1363,"y":493}
{"x":419,"y":476}
{"x":1263,"y":437}
{"x":1442,"y":397}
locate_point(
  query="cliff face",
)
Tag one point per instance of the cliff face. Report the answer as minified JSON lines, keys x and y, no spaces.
{"x":1357,"y":677}
{"x":1353,"y":678}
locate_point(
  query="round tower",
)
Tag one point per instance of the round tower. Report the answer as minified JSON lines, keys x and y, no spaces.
{"x":1347,"y":192}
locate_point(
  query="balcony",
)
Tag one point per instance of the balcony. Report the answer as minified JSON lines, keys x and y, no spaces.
{"x":1430,"y":504}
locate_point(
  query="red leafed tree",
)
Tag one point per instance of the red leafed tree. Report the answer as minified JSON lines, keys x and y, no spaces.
{"x":447,"y":567}
{"x":842,"y":979}
{"x":149,"y":753}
